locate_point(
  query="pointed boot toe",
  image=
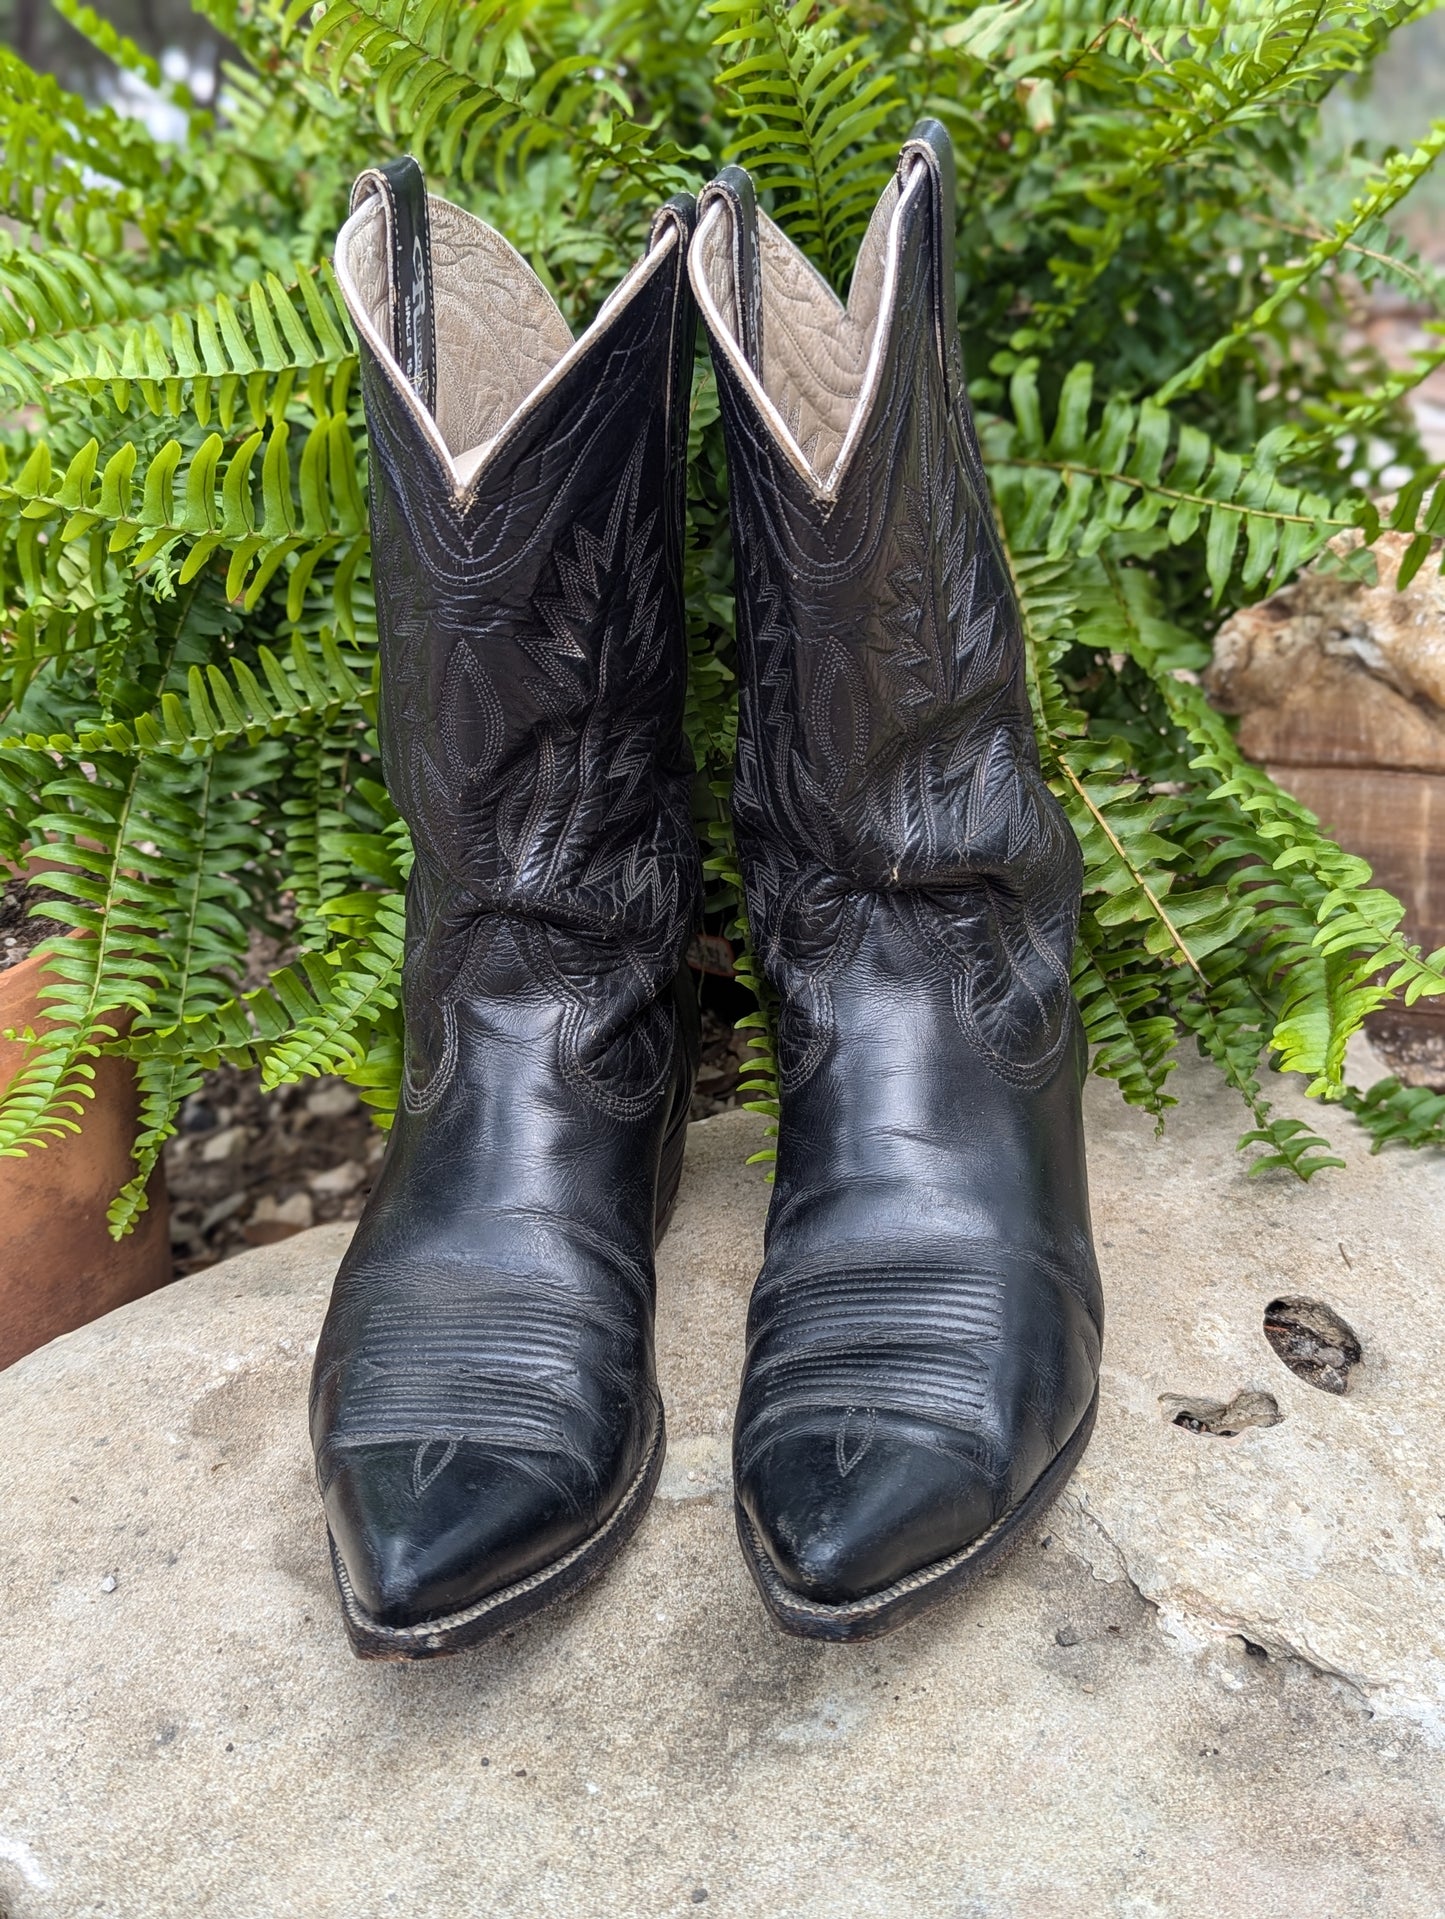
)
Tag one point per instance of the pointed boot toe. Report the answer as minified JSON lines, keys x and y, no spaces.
{"x":843,"y":1516}
{"x":440,"y":1544}
{"x":426,"y":1530}
{"x":851,"y":1557}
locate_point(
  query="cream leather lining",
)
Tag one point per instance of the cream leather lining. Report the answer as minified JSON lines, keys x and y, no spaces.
{"x":820,"y":358}
{"x":501,"y":342}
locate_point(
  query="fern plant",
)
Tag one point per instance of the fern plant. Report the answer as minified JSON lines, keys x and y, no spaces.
{"x":1158,"y":256}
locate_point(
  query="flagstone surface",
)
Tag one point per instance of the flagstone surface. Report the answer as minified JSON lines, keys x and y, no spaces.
{"x":1213,"y":1679}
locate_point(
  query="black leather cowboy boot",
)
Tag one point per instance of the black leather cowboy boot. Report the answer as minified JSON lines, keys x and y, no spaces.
{"x":923,"y":1341}
{"x":485,"y":1414}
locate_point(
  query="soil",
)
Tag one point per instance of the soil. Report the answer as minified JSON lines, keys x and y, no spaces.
{"x":20,"y":934}
{"x":1313,"y":1341}
{"x":248,"y":1168}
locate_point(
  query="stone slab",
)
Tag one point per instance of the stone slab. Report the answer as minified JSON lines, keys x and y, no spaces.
{"x":1322,"y":1536}
{"x":182,"y":1730}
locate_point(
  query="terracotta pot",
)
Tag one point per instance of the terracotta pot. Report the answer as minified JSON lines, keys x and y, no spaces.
{"x":59,"y":1267}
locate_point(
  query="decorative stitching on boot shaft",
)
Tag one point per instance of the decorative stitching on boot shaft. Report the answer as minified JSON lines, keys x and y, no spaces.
{"x":885,"y":743}
{"x":532,"y":688}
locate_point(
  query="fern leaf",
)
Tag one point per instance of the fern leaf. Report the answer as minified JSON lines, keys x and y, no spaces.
{"x":441,"y":83}
{"x":1401,"y":172}
{"x":816,"y":119}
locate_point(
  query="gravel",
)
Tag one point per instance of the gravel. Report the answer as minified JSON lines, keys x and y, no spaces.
{"x":248,"y":1168}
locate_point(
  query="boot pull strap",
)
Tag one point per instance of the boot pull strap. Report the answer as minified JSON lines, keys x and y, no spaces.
{"x":678,"y":216}
{"x":400,"y":187}
{"x":734,"y":188}
{"x":929,"y":144}
{"x":680,"y":212}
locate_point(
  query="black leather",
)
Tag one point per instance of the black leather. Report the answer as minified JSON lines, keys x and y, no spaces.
{"x":484,"y":1391}
{"x":924,"y":1337}
{"x":400,"y":185}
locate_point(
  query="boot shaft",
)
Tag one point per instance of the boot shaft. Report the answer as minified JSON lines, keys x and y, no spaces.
{"x":884,"y":643}
{"x":526,"y":501}
{"x":888,"y":780}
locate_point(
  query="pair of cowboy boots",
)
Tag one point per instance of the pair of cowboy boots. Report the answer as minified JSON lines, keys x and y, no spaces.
{"x":923,"y":1339}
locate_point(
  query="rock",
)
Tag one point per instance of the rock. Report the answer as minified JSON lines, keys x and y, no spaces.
{"x":1334,"y":672}
{"x":284,"y":1145}
{"x":1212,"y":1679}
{"x":332,"y":1101}
{"x":225,"y":1208}
{"x":1412,"y":1040}
{"x":229,"y":1143}
{"x":335,"y":1182}
{"x":295,"y":1211}
{"x":196,"y":1116}
{"x":1319,"y":1535}
{"x":274,"y":1220}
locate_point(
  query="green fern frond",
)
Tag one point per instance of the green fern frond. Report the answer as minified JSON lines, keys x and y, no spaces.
{"x":118,"y":47}
{"x":318,"y":869}
{"x":247,"y":502}
{"x":203,"y":941}
{"x":46,"y":130}
{"x":138,"y":863}
{"x":1155,"y":30}
{"x":1232,"y":75}
{"x":46,"y":292}
{"x":344,"y":996}
{"x":1235,"y":896}
{"x":163,"y":1082}
{"x":1140,"y":470}
{"x":456,"y":83}
{"x":1117,"y":996}
{"x":261,"y":348}
{"x":1394,"y":1114}
{"x":813,"y":111}
{"x":1282,"y":872}
{"x":315,"y":686}
{"x":1401,"y":172}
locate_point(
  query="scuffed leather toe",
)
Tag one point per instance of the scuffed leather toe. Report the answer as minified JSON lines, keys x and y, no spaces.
{"x":427,"y":1530}
{"x":838,"y":1526}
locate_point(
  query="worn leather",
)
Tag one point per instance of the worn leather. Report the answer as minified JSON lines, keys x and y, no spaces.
{"x":484,"y":1391}
{"x":924,"y":1336}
